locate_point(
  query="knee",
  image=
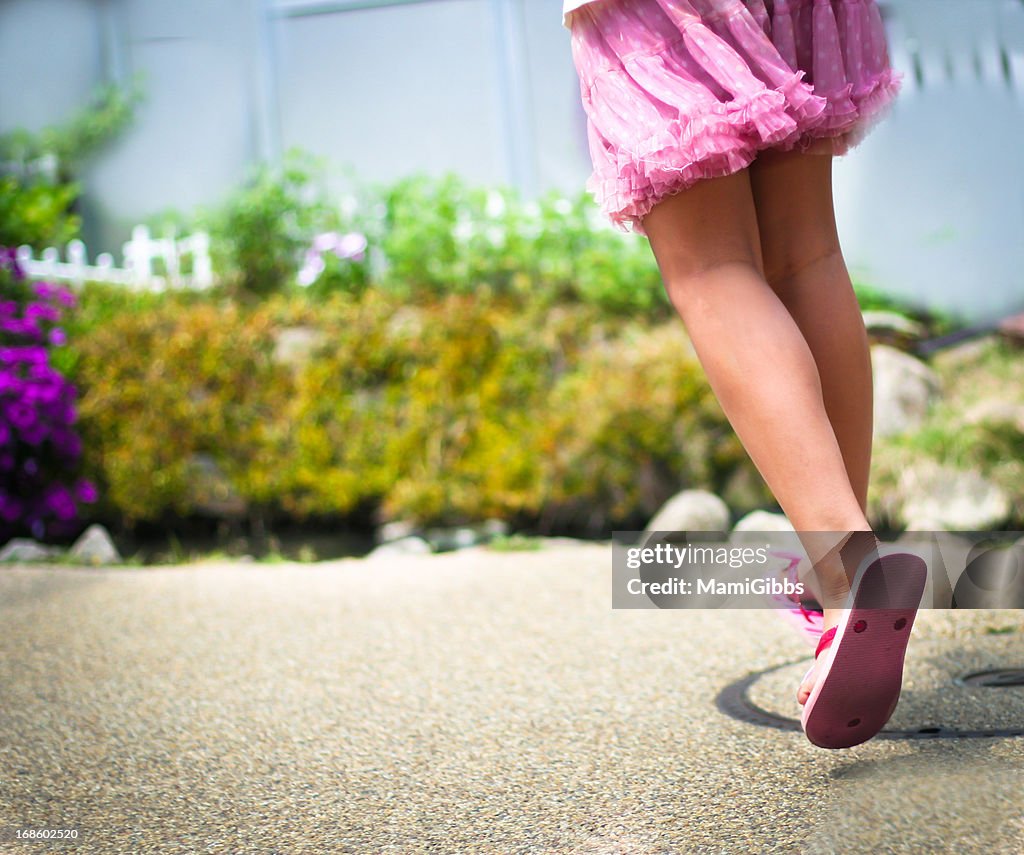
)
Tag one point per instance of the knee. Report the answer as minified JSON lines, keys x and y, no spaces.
{"x":782,"y":265}
{"x":709,"y":275}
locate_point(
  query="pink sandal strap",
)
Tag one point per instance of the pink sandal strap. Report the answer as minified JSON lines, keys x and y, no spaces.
{"x":825,"y":641}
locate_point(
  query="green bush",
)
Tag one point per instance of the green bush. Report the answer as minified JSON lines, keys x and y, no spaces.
{"x":427,"y":237}
{"x":37,"y":214}
{"x":441,"y":236}
{"x":37,"y":204}
{"x":259,"y":234}
{"x":441,"y":410}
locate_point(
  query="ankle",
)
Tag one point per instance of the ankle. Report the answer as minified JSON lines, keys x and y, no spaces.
{"x":835,"y":570}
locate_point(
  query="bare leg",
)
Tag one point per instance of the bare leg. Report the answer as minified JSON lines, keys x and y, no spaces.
{"x":804,"y":265}
{"x":707,"y":244}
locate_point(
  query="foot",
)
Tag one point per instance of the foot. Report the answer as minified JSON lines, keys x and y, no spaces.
{"x":832,"y":618}
{"x":830,"y":584}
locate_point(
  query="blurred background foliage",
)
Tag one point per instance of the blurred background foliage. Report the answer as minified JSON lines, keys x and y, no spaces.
{"x":473,"y":355}
{"x":39,"y":172}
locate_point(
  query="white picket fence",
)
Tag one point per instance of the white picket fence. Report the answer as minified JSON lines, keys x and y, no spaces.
{"x":141,"y":256}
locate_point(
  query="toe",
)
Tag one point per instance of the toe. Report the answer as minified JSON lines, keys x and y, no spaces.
{"x":806,"y":687}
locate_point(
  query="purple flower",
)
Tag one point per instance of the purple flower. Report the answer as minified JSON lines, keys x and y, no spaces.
{"x":31,"y":353}
{"x":21,"y":327}
{"x":10,"y":507}
{"x":352,"y":245}
{"x":313,"y":267}
{"x":59,"y":500}
{"x":86,"y":491}
{"x":40,"y":310}
{"x":9,"y":261}
{"x":35,"y":434}
{"x":20,"y":414}
{"x":37,"y":403}
{"x":67,"y":443}
{"x":326,"y":242}
{"x":9,"y":380}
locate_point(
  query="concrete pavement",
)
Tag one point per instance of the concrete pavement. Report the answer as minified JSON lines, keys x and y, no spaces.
{"x":471,"y":702}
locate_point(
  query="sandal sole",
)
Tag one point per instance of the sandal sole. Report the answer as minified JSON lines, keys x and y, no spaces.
{"x":860,"y":686}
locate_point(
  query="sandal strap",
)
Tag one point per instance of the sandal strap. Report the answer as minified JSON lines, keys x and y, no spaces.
{"x":825,"y":641}
{"x":808,"y":614}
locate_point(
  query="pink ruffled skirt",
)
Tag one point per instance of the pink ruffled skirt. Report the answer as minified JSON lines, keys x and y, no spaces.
{"x":679,"y":90}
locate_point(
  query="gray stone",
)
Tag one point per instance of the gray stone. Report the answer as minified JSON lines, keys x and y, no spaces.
{"x":946,"y":554}
{"x":763,"y":521}
{"x":993,"y":411}
{"x":94,"y":546}
{"x":933,"y":497}
{"x":294,"y":345}
{"x":691,"y":510}
{"x":405,"y":546}
{"x":892,"y":326}
{"x":209,"y":491}
{"x":963,"y":355}
{"x":27,"y":549}
{"x":494,"y":527}
{"x":764,"y":528}
{"x":395,"y":530}
{"x":462,"y":537}
{"x":905,"y":389}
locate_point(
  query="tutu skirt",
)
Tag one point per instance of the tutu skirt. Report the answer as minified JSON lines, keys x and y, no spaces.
{"x":679,"y":90}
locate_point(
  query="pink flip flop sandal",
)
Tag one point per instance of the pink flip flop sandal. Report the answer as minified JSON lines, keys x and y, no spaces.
{"x":808,"y":622}
{"x":862,"y":669}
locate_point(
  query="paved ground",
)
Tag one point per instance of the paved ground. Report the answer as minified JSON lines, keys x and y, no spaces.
{"x":474,"y":702}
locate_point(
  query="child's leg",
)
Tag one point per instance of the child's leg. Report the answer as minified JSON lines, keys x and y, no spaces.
{"x":804,"y":265}
{"x":707,"y":244}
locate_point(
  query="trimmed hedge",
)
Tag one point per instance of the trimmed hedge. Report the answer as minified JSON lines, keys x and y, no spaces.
{"x":441,"y":411}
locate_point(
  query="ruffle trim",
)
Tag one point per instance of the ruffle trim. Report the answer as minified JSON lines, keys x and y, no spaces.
{"x":632,"y":175}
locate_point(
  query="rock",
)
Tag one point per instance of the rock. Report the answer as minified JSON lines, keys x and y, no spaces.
{"x":946,"y":554}
{"x":395,"y":530}
{"x":962,"y":355}
{"x":750,"y":530}
{"x":293,"y":345}
{"x":905,"y":389}
{"x":94,"y":546}
{"x":209,"y":490}
{"x":405,"y":546}
{"x":691,"y":510}
{"x":994,"y":411}
{"x":462,"y":537}
{"x":933,"y":497}
{"x":27,"y":549}
{"x":763,"y":521}
{"x":991,"y":578}
{"x":892,"y":328}
{"x":494,"y":527}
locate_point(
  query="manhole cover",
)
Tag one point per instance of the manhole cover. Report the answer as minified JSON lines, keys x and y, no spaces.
{"x":946,"y":694}
{"x":997,"y":678}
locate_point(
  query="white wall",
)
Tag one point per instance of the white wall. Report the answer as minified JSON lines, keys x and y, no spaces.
{"x":931,"y":206}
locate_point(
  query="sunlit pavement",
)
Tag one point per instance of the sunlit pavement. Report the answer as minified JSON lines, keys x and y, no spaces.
{"x":471,"y":702}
